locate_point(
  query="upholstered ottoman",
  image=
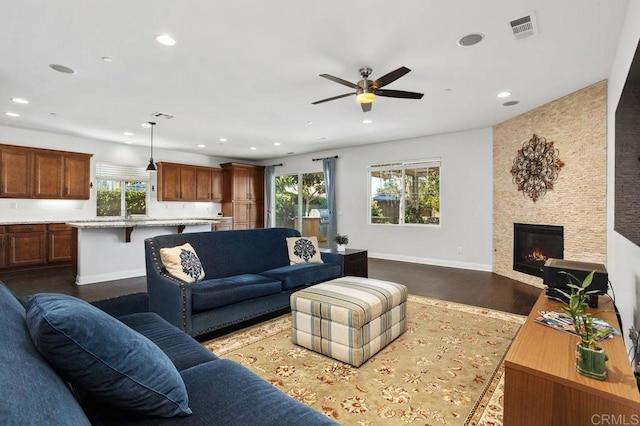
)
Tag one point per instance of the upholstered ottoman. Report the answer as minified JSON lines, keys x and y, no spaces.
{"x":350,"y":318}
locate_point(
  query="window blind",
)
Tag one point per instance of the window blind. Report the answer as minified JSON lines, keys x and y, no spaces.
{"x":107,"y":171}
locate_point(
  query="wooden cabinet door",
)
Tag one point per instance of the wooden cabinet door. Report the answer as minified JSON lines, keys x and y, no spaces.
{"x":15,"y":173}
{"x":169,"y":182}
{"x":216,"y":185}
{"x":203,"y":184}
{"x":48,"y":175}
{"x":3,"y":251}
{"x":26,"y":249}
{"x":241,"y":184}
{"x":76,"y":177}
{"x":187,"y":183}
{"x":241,"y":212}
{"x":59,"y":246}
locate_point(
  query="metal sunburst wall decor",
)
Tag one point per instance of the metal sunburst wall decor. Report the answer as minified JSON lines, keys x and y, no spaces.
{"x":536,"y":167}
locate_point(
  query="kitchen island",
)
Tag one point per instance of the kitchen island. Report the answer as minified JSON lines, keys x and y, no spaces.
{"x":105,"y":250}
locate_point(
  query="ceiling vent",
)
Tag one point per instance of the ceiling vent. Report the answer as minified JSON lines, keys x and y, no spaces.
{"x":162,"y":115}
{"x":524,"y":26}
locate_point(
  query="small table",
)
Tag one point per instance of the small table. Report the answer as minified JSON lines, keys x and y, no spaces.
{"x":354,"y":262}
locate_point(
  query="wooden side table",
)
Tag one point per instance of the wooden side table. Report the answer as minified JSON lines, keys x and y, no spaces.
{"x":354,"y":262}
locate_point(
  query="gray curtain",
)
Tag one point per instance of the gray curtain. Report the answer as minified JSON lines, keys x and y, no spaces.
{"x":329,"y":169}
{"x":269,"y":183}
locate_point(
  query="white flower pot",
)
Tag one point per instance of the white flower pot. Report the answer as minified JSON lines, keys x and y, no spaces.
{"x":342,"y":247}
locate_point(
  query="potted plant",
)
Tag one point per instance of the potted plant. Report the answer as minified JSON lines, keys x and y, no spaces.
{"x":590,"y":359}
{"x":341,"y":241}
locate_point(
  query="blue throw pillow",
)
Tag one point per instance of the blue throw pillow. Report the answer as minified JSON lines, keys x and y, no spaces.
{"x":104,"y":358}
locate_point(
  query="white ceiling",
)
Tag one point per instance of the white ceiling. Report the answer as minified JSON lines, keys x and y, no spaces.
{"x":247,"y":70}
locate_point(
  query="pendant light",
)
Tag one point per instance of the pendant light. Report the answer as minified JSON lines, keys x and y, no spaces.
{"x":151,"y":167}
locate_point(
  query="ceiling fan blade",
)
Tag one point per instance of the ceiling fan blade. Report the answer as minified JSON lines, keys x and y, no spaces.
{"x":340,"y":81}
{"x":390,"y":77}
{"x":332,"y":99}
{"x":366,"y":107}
{"x":399,"y":94}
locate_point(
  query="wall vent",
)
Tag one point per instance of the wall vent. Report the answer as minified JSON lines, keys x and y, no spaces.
{"x":524,"y":26}
{"x":162,"y":115}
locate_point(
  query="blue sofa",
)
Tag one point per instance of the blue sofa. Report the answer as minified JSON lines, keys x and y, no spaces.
{"x":247,"y":275}
{"x":39,"y":388}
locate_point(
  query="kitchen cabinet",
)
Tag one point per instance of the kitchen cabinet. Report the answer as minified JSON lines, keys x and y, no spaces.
{"x":183,"y":182}
{"x":3,"y":244}
{"x":43,"y":173}
{"x":59,"y":242}
{"x":26,"y":245}
{"x":15,"y":172}
{"x":224,"y":224}
{"x":243,"y":194}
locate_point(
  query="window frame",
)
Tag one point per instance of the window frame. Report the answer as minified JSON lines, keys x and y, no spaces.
{"x":403,"y":166}
{"x":124,"y":175}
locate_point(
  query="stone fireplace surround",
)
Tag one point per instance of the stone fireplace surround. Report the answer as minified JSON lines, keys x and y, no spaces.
{"x":577,"y":123}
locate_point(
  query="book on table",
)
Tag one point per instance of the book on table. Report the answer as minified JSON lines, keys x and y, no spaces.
{"x":562,"y":321}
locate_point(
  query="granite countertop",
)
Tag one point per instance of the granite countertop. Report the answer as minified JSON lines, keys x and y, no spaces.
{"x":119,"y":223}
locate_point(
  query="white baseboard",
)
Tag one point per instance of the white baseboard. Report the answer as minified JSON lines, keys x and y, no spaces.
{"x":434,"y":262}
{"x":118,"y":275}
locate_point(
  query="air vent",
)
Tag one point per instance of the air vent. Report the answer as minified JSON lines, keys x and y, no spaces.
{"x":524,"y":26}
{"x":162,"y":115}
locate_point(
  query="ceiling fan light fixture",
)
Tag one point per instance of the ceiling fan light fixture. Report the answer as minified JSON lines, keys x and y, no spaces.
{"x":366,"y":97}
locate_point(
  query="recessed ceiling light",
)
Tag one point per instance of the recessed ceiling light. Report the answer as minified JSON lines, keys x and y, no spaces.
{"x":253,"y":148}
{"x":367,"y":121}
{"x":166,"y":40}
{"x":146,"y":125}
{"x":200,"y":146}
{"x":320,"y":138}
{"x":63,"y":69}
{"x":504,"y":94}
{"x":128,"y":142}
{"x":12,"y":114}
{"x":511,"y":103}
{"x":107,"y":59}
{"x":309,"y":122}
{"x":470,"y":39}
{"x":277,"y":144}
{"x":128,"y":134}
{"x":20,"y":100}
{"x":222,"y":139}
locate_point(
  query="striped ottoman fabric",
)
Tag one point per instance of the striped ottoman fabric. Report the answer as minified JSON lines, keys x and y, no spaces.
{"x":350,"y":318}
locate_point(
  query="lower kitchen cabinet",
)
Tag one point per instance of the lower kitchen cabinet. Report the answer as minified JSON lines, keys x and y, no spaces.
{"x":59,"y":247}
{"x":34,"y":244}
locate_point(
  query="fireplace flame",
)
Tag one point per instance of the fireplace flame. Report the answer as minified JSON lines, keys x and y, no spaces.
{"x":537,"y":255}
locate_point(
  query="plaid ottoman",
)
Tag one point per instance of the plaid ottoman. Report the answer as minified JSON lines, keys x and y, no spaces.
{"x":350,"y":318}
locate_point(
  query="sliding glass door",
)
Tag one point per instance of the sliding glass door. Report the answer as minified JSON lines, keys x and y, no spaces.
{"x":301,"y":203}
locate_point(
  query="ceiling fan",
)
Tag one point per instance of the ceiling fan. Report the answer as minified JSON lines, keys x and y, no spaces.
{"x":367,"y":90}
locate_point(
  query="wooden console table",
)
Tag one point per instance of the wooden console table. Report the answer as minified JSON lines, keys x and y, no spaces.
{"x":542,"y":386}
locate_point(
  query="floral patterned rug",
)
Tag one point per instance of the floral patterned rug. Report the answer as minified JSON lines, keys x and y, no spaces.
{"x":447,"y":368}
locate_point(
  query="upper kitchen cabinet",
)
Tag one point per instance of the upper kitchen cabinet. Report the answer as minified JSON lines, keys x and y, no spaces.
{"x":243,"y":182}
{"x":183,"y":182}
{"x":43,"y":173}
{"x":16,"y":172}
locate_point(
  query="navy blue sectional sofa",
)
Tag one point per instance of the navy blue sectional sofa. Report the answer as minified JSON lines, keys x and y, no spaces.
{"x":247,"y":275}
{"x":66,"y":362}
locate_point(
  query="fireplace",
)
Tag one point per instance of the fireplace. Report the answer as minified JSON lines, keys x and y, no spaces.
{"x":534,"y":244}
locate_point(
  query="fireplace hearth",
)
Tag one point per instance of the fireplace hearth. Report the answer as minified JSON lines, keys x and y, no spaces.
{"x":534,"y":244}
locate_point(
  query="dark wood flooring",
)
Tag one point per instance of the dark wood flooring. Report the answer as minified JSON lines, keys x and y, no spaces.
{"x":483,"y":289}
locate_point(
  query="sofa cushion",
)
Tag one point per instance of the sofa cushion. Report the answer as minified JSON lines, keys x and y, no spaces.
{"x":182,"y":262}
{"x":182,"y":350}
{"x":303,"y":250}
{"x":210,"y":294}
{"x":293,"y":276}
{"x":236,"y":397}
{"x":32,"y":393}
{"x":104,"y":358}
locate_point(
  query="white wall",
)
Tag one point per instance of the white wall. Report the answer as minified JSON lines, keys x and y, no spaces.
{"x":466,"y":198}
{"x":67,"y":210}
{"x":623,"y":257}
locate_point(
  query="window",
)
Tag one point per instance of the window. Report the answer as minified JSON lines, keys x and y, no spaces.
{"x":405,"y":193}
{"x":301,"y":203}
{"x":121,"y":190}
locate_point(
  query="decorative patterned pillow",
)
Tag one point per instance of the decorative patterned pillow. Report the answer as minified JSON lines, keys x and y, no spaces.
{"x":303,"y":250}
{"x":182,"y":262}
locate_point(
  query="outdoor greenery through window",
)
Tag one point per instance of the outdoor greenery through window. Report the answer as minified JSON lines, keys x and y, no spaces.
{"x":301,"y":203}
{"x":405,"y":193}
{"x":121,"y":190}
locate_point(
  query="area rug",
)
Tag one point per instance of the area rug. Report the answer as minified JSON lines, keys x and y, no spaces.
{"x":445,"y":369}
